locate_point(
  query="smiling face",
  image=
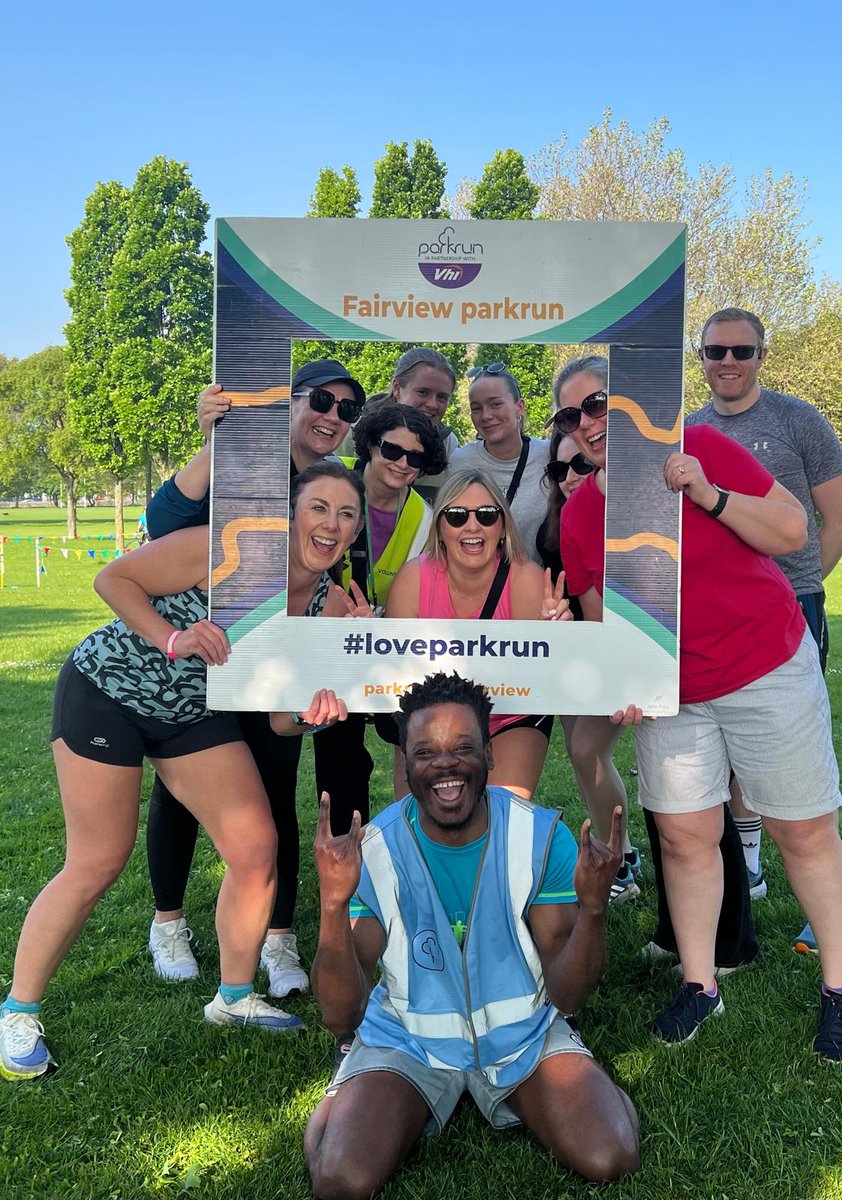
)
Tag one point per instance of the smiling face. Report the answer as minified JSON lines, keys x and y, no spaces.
{"x":313,"y":435}
{"x":325,"y":523}
{"x":471,"y":545}
{"x":495,"y":413}
{"x":447,"y":769}
{"x":387,"y":476}
{"x":592,"y":434}
{"x":734,"y":384}
{"x":567,"y":451}
{"x":427,"y":389}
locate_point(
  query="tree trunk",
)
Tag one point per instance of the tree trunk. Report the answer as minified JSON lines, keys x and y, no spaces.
{"x":70,"y":498}
{"x":148,"y":479}
{"x":119,"y":527}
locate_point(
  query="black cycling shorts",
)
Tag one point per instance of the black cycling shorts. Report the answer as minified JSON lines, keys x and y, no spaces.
{"x":96,"y":727}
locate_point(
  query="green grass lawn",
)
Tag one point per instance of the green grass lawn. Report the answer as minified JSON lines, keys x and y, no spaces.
{"x":151,"y":1102}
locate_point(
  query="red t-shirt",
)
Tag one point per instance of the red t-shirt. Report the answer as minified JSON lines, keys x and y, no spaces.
{"x":739,"y":615}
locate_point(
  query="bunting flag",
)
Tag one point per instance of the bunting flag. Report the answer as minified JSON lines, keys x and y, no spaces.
{"x":91,"y":553}
{"x":78,"y":554}
{"x":105,"y":554}
{"x":64,"y":554}
{"x":46,"y":549}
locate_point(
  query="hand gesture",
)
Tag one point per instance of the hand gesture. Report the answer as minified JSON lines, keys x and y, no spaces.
{"x":338,"y":859}
{"x":213,"y":404}
{"x":683,"y":473}
{"x":598,"y":864}
{"x":554,"y":606}
{"x":355,"y":605}
{"x":630,"y":716}
{"x":325,"y":710}
{"x":205,"y":640}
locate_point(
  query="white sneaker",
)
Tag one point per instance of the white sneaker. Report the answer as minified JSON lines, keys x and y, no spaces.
{"x":23,"y":1051}
{"x":279,"y":955}
{"x":169,"y":945}
{"x":252,"y":1010}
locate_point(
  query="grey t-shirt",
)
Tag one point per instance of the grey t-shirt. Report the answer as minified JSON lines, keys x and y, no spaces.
{"x":529,"y":506}
{"x":797,"y":445}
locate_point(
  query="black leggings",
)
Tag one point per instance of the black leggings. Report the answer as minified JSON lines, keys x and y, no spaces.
{"x":343,"y":770}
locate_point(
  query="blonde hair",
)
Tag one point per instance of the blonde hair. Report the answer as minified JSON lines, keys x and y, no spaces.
{"x":511,"y":543}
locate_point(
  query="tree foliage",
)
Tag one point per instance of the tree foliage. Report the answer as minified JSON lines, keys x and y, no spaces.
{"x":335,"y":195}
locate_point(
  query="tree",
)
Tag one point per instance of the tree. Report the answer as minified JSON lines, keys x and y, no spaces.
{"x":392,"y":192}
{"x":806,"y":361}
{"x":335,"y":195}
{"x":505,"y":192}
{"x":159,"y":313}
{"x":93,"y":411}
{"x":753,"y":254}
{"x":36,"y":432}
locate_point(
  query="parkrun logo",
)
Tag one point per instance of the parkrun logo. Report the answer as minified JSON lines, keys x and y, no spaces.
{"x":449,"y":264}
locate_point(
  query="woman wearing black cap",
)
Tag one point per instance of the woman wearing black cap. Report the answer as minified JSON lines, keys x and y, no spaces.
{"x":325,"y":402}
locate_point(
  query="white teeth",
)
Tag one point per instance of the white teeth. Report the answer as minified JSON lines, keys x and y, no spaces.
{"x":321,"y":429}
{"x":448,"y":783}
{"x":324,"y":542}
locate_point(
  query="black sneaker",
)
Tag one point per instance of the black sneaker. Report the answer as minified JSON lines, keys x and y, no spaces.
{"x":688,"y":1008}
{"x":828,"y":1039}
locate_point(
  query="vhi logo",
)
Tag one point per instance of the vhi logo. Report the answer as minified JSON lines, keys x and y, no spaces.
{"x":448,"y":263}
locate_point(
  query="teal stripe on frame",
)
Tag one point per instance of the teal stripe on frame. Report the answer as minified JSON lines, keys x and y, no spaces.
{"x":609,"y":311}
{"x":642,"y":620}
{"x":320,"y":318}
{"x":258,"y":616}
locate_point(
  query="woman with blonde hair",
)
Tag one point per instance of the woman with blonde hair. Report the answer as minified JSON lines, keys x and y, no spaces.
{"x":475,"y":566}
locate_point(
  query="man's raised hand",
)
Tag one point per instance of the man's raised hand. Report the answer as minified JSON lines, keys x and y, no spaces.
{"x":598,"y":864}
{"x":338,"y":859}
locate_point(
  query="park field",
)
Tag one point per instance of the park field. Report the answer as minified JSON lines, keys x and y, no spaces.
{"x":150,"y":1102}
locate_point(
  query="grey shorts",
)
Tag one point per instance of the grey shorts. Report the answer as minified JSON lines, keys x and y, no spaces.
{"x":442,"y":1089}
{"x":775,"y":734}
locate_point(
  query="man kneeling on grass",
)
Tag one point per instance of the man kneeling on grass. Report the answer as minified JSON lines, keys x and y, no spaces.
{"x":467,"y":896}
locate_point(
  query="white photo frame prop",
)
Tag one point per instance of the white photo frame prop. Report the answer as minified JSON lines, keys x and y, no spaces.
{"x":614,"y":283}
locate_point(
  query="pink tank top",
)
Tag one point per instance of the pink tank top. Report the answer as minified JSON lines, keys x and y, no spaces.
{"x":434,"y":601}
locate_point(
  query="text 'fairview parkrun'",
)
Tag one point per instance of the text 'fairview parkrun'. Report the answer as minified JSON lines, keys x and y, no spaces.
{"x":409,"y":307}
{"x":433,"y":648}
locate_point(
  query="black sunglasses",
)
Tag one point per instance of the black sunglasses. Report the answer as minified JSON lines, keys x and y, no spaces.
{"x":394,"y":453}
{"x":488,"y":369}
{"x":557,"y":471}
{"x":741,"y":353}
{"x":566,"y":420}
{"x":486,"y":515}
{"x":322,"y":401}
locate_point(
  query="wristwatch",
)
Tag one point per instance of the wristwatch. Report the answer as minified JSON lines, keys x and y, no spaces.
{"x":721,"y":502}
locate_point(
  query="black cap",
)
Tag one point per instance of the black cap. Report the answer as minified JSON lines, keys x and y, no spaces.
{"x":322,"y":371}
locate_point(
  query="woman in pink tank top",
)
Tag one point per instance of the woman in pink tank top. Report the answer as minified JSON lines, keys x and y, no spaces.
{"x":472,"y":534}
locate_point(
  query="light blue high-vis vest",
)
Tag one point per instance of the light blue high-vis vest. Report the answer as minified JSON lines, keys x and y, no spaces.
{"x":484,"y":1006}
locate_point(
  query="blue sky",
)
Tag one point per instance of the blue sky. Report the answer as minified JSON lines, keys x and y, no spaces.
{"x":257,"y":97}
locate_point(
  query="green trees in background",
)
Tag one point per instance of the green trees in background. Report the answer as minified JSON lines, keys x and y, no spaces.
{"x":140,"y":330}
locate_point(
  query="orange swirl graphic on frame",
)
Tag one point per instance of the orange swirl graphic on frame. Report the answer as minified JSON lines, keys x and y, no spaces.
{"x":624,"y":545}
{"x":230,"y":549}
{"x":272,"y":395}
{"x":667,"y":437}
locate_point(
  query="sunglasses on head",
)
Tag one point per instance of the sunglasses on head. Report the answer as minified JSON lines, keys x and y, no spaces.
{"x":566,"y":420}
{"x":488,"y":369}
{"x":486,"y":515}
{"x":322,"y":401}
{"x":394,"y":453}
{"x":740,"y":353}
{"x":557,"y":471}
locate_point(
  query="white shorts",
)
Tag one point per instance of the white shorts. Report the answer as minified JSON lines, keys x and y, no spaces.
{"x":775,"y":734}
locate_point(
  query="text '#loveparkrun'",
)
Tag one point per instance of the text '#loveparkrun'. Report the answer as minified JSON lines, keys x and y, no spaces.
{"x":438,"y":648}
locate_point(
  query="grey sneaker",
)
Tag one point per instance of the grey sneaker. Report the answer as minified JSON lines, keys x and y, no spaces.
{"x":252,"y":1010}
{"x":624,"y":887}
{"x":756,"y":885}
{"x":169,"y":945}
{"x":279,"y":955}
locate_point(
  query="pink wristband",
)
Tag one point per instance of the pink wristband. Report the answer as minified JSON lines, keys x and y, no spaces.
{"x":171,"y":642}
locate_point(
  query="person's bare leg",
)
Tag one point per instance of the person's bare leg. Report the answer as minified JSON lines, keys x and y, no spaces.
{"x":100,"y":805}
{"x":812,"y":857}
{"x":518,"y":760}
{"x":580,"y":1116}
{"x":353,"y":1159}
{"x":592,"y":743}
{"x":222,"y":788}
{"x":693,"y":879}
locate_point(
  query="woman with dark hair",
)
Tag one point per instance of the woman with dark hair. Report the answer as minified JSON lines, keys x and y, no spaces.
{"x":566,"y":469}
{"x":475,"y":566}
{"x":503,"y":452}
{"x":394,"y":444}
{"x":135,"y":689}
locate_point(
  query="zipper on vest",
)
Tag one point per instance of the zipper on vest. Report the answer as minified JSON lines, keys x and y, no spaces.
{"x":470,"y":1005}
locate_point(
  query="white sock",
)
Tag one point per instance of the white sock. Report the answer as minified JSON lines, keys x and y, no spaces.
{"x":750,"y":829}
